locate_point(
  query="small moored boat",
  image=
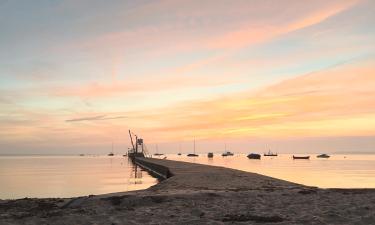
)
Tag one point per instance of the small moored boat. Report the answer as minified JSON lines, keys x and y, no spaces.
{"x":227,"y":154}
{"x":253,"y":156}
{"x":301,"y":157}
{"x":269,"y":153}
{"x":179,"y":149}
{"x":111,"y":153}
{"x":157,"y":151}
{"x":325,"y":156}
{"x":193,"y":154}
{"x":210,"y":155}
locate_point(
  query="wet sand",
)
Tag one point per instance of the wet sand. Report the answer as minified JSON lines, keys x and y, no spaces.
{"x":200,"y":194}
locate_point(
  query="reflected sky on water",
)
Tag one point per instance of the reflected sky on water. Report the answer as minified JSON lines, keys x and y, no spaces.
{"x":339,"y":171}
{"x":69,"y":176}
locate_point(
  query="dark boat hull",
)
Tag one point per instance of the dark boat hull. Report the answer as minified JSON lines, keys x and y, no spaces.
{"x":192,"y":155}
{"x":301,"y":157}
{"x":254,"y":156}
{"x":269,"y":154}
{"x":210,"y":155}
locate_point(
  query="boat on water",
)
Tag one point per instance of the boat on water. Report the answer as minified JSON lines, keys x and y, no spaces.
{"x":111,"y":153}
{"x":325,"y":156}
{"x":253,"y":156}
{"x":227,"y":154}
{"x":193,"y":154}
{"x":157,"y":152}
{"x":179,"y":149}
{"x":301,"y":157}
{"x":269,"y":153}
{"x":210,"y":155}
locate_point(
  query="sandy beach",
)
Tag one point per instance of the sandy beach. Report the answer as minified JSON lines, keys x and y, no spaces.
{"x":200,"y":194}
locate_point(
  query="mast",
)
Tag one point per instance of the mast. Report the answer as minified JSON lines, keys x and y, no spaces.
{"x":194,"y":145}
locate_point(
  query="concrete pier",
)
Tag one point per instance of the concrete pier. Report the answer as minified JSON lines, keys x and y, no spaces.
{"x":192,"y":176}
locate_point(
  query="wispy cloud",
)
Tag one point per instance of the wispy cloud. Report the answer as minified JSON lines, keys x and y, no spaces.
{"x":175,"y":69}
{"x":95,"y":118}
{"x":334,"y":101}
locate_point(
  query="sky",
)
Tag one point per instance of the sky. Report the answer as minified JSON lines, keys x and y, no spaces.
{"x":293,"y":76}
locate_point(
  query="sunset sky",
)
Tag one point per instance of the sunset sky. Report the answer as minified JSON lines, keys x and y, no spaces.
{"x":296,"y":76}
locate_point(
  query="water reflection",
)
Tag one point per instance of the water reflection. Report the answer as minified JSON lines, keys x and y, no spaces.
{"x":69,"y":176}
{"x":136,"y":174}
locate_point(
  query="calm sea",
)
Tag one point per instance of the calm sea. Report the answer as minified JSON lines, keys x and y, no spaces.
{"x":338,"y":171}
{"x":69,"y":176}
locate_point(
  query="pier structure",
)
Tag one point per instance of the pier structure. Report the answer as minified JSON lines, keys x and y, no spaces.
{"x":183,"y":175}
{"x":138,"y":147}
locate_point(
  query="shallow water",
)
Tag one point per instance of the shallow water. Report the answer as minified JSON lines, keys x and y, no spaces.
{"x":68,"y":176}
{"x":71,"y":176}
{"x":338,"y":171}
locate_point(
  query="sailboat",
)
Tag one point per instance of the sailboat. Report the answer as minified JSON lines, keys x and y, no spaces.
{"x":111,"y":153}
{"x":157,"y":152}
{"x":179,"y":149}
{"x":269,"y":153}
{"x":193,"y":154}
{"x":227,"y":153}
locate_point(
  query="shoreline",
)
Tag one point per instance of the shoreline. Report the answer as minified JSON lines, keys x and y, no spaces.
{"x":201,"y":194}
